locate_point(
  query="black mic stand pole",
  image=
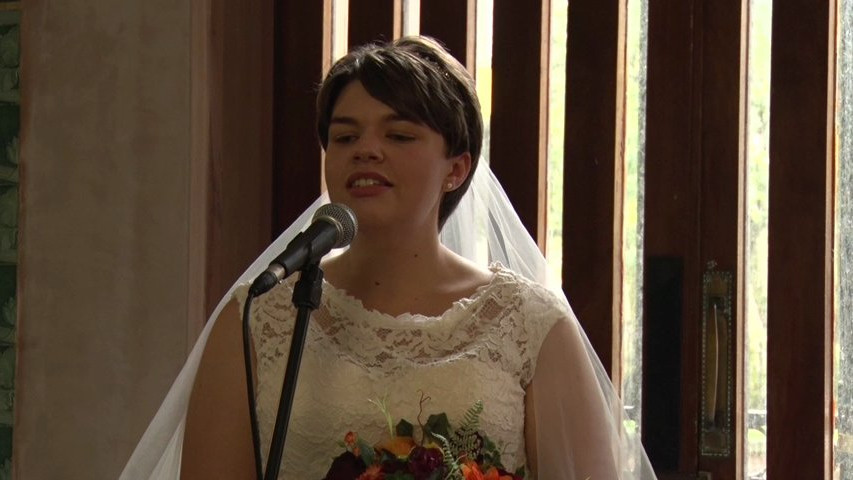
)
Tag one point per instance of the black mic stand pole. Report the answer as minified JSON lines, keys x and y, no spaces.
{"x":306,"y":297}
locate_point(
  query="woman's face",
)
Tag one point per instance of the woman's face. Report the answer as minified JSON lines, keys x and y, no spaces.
{"x":389,"y":170}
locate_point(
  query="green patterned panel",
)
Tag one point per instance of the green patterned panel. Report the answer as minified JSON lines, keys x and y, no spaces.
{"x":9,"y":205}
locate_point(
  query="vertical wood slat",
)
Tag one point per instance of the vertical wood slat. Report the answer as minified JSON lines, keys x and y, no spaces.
{"x":374,"y":20}
{"x":199,"y":193}
{"x":799,"y":296}
{"x":452,"y":22}
{"x":671,"y":223}
{"x":519,"y":111}
{"x":590,"y":181}
{"x":299,"y":62}
{"x":721,"y":155}
{"x":241,"y":82}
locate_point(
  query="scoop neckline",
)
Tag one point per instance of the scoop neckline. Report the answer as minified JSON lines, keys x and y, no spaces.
{"x":346,"y":301}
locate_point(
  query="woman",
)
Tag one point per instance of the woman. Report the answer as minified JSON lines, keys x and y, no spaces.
{"x":403,"y":315}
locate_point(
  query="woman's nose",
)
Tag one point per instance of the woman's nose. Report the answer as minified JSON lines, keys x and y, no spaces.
{"x":367,"y":149}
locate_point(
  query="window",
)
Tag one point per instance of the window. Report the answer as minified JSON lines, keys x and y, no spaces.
{"x":757,"y":171}
{"x":842,"y":437}
{"x":632,"y":212}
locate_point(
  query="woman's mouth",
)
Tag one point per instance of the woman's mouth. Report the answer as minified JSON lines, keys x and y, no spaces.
{"x":367,"y":184}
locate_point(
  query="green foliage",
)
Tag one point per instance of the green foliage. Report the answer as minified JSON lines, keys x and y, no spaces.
{"x":368,"y":454}
{"x":754,"y":436}
{"x":382,"y":405}
{"x":453,"y":471}
{"x":492,"y":454}
{"x":466,"y":437}
{"x":405,"y":429}
{"x":436,"y":427}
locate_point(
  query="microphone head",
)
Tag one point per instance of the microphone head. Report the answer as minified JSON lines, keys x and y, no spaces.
{"x":342,"y":217}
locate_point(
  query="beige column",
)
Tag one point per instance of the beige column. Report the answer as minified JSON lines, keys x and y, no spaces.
{"x":105,"y":229}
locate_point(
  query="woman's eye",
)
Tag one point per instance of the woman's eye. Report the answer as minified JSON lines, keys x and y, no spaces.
{"x":399,"y":137}
{"x":344,"y":138}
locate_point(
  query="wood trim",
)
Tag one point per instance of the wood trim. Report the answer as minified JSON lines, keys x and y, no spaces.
{"x":695,"y":197}
{"x":519,"y":109}
{"x":799,"y":297}
{"x":671,"y":223}
{"x":592,"y":152}
{"x":721,"y":156}
{"x":452,"y":22}
{"x":301,"y":55}
{"x":240,"y":90}
{"x":199,"y":194}
{"x":374,"y":20}
{"x":618,"y":237}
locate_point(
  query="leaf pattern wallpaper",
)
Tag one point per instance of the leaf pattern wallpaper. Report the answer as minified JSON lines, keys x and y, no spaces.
{"x":9,"y":129}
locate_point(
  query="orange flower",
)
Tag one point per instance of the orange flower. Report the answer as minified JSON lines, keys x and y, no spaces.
{"x":471,"y":471}
{"x":493,"y":474}
{"x":398,"y":446}
{"x":373,"y":472}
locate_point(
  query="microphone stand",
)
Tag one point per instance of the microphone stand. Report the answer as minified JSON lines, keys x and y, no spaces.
{"x":306,"y":297}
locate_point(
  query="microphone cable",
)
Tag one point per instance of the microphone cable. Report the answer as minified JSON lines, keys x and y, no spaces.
{"x":250,"y":385}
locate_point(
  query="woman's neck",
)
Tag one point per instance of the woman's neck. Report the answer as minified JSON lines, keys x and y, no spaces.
{"x":393,"y":258}
{"x":395,"y":275}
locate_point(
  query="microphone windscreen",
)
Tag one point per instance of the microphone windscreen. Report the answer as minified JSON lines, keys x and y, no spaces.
{"x":342,"y":217}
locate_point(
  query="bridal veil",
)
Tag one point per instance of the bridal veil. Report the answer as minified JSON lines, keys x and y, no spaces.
{"x":484,"y":228}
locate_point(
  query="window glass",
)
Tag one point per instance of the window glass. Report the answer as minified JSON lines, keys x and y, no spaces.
{"x":633,"y":213}
{"x":556,"y":139}
{"x":757,"y":212}
{"x":843,"y":341}
{"x":411,"y":17}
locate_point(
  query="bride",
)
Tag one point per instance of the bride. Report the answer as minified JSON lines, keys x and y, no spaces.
{"x":408,"y":310}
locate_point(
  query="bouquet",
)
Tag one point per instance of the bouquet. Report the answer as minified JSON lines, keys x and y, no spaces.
{"x":441,"y":453}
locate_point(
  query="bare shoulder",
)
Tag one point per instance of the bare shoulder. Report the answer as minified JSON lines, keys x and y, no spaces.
{"x":467,"y":275}
{"x":218,"y":435}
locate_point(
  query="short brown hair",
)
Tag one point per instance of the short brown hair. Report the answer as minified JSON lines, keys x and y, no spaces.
{"x":420,"y":80}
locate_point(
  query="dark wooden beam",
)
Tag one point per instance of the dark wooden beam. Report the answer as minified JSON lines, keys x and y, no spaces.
{"x":590,"y":181}
{"x":299,"y":60}
{"x":671,"y":231}
{"x":800,"y":291}
{"x":241,"y":140}
{"x":519,"y":110}
{"x":374,"y":20}
{"x":721,"y":153}
{"x":452,"y":22}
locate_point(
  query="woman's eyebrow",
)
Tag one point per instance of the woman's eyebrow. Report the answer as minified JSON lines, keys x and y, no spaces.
{"x":343,"y":120}
{"x":388,"y":118}
{"x":396,"y":117}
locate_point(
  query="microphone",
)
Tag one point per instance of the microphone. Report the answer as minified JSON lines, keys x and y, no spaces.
{"x":333,"y":226}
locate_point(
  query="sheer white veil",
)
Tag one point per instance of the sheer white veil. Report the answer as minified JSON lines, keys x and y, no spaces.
{"x":484,"y":228}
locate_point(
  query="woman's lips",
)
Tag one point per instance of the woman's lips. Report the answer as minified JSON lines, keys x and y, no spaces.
{"x":365,"y":184}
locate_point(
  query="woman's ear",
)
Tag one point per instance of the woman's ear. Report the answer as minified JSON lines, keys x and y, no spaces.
{"x":459,"y":170}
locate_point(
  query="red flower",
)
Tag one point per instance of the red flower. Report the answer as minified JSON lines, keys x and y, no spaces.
{"x":424,"y":462}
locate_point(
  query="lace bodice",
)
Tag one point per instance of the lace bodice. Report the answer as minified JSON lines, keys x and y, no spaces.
{"x":483,"y":348}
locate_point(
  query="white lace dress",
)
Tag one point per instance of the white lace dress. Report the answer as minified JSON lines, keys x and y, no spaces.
{"x":483,"y":348}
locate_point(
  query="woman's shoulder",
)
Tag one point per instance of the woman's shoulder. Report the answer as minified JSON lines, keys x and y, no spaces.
{"x":529,"y":293}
